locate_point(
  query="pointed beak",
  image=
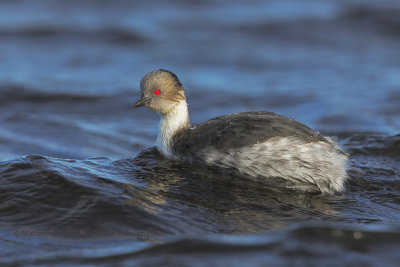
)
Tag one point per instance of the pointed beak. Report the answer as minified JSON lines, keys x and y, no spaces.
{"x":142,"y":102}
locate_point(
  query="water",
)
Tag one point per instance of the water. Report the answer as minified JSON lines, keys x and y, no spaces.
{"x":82,"y":184}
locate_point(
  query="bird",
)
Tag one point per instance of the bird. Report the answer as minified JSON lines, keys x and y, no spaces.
{"x":256,"y":145}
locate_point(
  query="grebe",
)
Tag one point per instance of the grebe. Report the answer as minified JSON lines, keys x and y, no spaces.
{"x":259,"y":145}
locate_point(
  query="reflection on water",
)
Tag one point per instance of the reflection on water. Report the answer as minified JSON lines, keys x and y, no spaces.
{"x":73,"y":191}
{"x":150,"y":199}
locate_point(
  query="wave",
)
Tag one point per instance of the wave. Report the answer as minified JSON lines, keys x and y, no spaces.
{"x":17,"y":93}
{"x":92,"y":204}
{"x":302,"y":244}
{"x":374,"y":145}
{"x":114,"y":35}
{"x":386,"y":20}
{"x":39,"y":192}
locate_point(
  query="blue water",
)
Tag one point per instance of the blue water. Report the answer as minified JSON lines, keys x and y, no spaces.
{"x":81,"y":184}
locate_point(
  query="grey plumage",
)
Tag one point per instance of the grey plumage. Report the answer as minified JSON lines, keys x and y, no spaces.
{"x":240,"y":130}
{"x":262,"y":145}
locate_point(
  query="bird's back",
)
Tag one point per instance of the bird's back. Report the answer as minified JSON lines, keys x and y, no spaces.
{"x":240,"y":130}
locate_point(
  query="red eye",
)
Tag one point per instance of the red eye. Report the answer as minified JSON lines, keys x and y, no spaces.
{"x":157,"y":92}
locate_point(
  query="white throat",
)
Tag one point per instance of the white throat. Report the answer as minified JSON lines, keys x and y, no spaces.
{"x":170,"y":123}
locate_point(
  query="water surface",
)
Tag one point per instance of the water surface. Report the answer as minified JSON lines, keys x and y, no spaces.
{"x":81,"y":182}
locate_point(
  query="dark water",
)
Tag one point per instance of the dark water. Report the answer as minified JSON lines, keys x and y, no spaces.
{"x":81,"y":184}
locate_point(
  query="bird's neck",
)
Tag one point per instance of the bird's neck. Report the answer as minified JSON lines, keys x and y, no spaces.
{"x":170,"y":124}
